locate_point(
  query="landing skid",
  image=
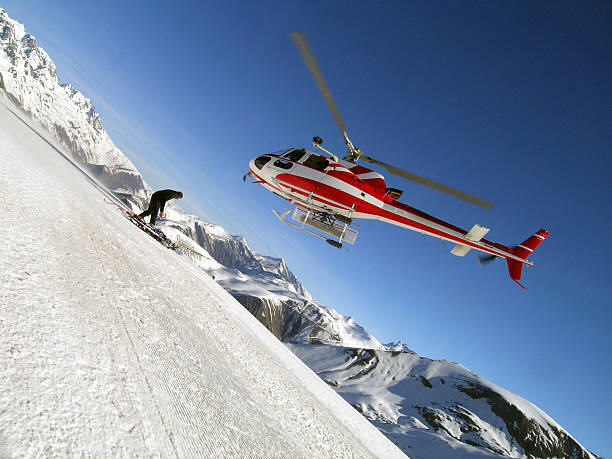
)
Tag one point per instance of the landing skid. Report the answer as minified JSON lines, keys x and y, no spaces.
{"x":322,"y":222}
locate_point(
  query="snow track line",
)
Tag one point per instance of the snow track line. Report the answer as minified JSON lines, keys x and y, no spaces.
{"x":146,"y":380}
{"x":119,"y":312}
{"x":109,"y":195}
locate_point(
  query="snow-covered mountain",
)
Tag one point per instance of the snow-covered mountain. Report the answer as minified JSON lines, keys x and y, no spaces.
{"x":28,"y":77}
{"x":438,"y":408}
{"x":428,"y":408}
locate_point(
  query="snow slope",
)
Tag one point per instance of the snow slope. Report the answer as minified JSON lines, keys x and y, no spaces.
{"x":112,"y":345}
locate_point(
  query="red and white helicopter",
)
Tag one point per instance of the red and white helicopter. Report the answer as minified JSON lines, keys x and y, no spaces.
{"x":330,"y":192}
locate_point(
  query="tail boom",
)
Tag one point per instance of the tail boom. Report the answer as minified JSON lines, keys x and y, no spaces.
{"x":403,"y":215}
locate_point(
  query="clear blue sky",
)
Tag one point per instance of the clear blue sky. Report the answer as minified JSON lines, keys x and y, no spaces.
{"x":509,"y":101}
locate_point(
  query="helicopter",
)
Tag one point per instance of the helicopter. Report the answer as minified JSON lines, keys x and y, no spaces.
{"x":329,"y":193}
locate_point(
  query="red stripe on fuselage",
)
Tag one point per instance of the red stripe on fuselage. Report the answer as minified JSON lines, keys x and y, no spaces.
{"x":264,"y":183}
{"x":371,"y":211}
{"x":323,"y":190}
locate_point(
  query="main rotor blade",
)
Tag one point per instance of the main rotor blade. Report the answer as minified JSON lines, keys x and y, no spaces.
{"x":304,"y":48}
{"x":431,"y":184}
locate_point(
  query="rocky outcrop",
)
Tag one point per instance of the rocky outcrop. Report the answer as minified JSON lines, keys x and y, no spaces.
{"x":229,"y":251}
{"x":535,"y":439}
{"x":234,"y":253}
{"x":289,"y":321}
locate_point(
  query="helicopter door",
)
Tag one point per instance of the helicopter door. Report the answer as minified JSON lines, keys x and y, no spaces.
{"x":317,"y":162}
{"x":295,"y":155}
{"x":288,"y":160}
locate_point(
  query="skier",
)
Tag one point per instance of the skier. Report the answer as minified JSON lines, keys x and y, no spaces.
{"x":158,"y":201}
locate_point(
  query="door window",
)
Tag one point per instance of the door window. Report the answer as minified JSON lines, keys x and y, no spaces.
{"x":316,"y":162}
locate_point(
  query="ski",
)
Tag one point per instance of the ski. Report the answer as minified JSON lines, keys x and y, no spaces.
{"x":149,"y":229}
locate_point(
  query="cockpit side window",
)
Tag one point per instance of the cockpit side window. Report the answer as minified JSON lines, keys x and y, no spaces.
{"x":259,"y":162}
{"x":316,"y":162}
{"x":295,"y":155}
{"x":283,"y":163}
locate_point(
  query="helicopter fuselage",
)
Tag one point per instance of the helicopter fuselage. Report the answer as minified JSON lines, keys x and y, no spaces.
{"x":341,"y":188}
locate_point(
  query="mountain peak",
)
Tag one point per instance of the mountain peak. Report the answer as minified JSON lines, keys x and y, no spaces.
{"x":28,"y":76}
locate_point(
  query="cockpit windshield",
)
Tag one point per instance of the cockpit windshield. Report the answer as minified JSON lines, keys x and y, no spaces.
{"x":259,"y":162}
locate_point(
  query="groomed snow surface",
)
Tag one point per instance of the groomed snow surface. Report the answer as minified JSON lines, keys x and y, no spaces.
{"x":112,"y":345}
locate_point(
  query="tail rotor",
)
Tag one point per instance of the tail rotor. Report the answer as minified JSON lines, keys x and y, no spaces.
{"x":486,"y":259}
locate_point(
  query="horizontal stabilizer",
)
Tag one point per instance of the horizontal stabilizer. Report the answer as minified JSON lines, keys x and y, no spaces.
{"x":476,"y":233}
{"x":460,"y":250}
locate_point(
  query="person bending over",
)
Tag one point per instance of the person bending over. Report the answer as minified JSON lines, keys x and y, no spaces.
{"x":158,"y":201}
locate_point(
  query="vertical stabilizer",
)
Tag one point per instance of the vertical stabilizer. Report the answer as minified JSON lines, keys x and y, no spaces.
{"x":523,"y":250}
{"x":515,"y":269}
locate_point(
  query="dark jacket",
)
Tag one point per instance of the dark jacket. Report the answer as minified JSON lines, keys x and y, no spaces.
{"x":161,"y":197}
